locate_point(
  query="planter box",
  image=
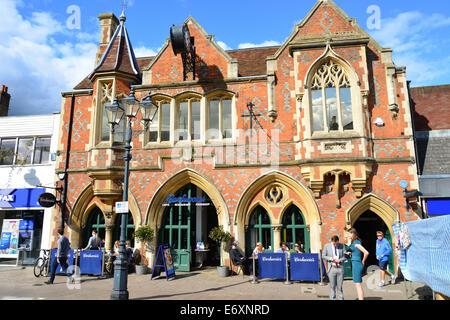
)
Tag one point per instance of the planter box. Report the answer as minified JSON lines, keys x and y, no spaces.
{"x":141,"y":269}
{"x":223,"y":271}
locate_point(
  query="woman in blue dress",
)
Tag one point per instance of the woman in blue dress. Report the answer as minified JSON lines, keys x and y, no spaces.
{"x":359,"y":255}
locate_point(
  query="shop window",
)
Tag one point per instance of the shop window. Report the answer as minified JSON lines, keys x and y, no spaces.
{"x":294,"y":228}
{"x":42,"y":151}
{"x":7,"y":151}
{"x":25,"y":151}
{"x":331,"y":99}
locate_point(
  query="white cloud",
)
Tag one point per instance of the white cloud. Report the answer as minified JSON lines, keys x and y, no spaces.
{"x":142,"y":51}
{"x":223,"y":45}
{"x":35,"y":66}
{"x":267,"y":43}
{"x":418,"y":41}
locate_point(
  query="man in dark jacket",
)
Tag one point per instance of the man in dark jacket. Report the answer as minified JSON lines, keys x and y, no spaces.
{"x":62,"y":255}
{"x":238,"y":259}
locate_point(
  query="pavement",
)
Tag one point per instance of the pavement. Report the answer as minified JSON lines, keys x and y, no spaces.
{"x":19,"y":283}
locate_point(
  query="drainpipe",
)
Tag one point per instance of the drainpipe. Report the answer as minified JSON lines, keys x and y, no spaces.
{"x":65,"y":181}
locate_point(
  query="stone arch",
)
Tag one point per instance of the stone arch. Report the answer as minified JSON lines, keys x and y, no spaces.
{"x":155,"y":212}
{"x":261,"y":204}
{"x":289,"y":203}
{"x":309,"y":208}
{"x":373,"y":203}
{"x":86,"y":203}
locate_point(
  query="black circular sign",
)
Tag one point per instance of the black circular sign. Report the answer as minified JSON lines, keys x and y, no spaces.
{"x":47,"y":200}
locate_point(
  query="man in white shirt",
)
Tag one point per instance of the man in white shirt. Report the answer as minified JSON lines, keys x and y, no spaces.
{"x":334,"y":254}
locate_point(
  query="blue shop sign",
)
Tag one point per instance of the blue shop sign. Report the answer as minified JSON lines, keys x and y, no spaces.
{"x":20,"y":198}
{"x":438,"y":207}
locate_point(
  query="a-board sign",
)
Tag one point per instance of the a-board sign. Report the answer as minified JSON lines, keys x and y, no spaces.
{"x":163,"y":262}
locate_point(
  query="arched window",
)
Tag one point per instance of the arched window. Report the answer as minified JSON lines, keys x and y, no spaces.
{"x":96,"y":221}
{"x":259,"y":230}
{"x":294,"y":228}
{"x":331,"y":98}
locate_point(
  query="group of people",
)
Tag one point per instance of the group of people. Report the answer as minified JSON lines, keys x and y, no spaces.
{"x":94,"y":243}
{"x":247,"y":264}
{"x":336,"y":255}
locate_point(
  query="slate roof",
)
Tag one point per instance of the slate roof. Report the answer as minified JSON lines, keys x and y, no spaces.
{"x":431,"y":108}
{"x":119,"y":55}
{"x":252,"y":62}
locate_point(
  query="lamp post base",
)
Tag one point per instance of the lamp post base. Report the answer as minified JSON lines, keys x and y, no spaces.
{"x":120,"y":291}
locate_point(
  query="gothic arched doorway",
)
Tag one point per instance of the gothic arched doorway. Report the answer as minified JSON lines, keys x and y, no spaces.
{"x":188,"y":218}
{"x":367,"y":226}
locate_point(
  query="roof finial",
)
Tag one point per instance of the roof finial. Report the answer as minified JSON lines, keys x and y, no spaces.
{"x":123,"y":18}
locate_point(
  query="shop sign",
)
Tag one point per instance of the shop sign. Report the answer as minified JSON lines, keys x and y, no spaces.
{"x":20,"y":198}
{"x":185,"y":201}
{"x":47,"y":200}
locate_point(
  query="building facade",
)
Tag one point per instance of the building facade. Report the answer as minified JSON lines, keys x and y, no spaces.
{"x":27,"y":167}
{"x":431,"y":108}
{"x":331,"y":139}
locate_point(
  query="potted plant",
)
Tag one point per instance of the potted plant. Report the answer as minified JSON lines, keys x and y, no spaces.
{"x":220,"y":236}
{"x":145,"y":235}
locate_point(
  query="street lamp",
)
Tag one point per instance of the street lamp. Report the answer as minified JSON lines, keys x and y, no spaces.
{"x":115,"y":112}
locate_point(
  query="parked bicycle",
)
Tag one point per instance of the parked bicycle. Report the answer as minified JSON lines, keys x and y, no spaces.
{"x":41,"y":264}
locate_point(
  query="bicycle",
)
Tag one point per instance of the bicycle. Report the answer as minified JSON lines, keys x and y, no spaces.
{"x":41,"y":264}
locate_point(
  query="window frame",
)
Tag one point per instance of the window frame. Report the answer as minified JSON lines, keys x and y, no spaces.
{"x":160,"y":101}
{"x":189,"y":98}
{"x":15,"y":155}
{"x":220,"y":95}
{"x":342,"y":81}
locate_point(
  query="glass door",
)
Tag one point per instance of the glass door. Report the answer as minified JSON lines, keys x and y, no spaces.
{"x":177,"y":229}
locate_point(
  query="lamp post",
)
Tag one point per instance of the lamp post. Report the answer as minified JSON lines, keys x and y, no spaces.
{"x":128,"y":107}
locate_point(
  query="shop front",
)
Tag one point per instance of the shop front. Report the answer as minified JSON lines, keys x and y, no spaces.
{"x":21,"y":225}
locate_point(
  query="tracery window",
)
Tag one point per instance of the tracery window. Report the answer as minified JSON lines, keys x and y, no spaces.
{"x":331,"y":99}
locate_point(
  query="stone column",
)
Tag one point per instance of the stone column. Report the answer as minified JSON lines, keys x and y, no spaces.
{"x":276,"y":236}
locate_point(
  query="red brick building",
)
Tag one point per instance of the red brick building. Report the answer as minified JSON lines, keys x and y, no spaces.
{"x":332,"y":142}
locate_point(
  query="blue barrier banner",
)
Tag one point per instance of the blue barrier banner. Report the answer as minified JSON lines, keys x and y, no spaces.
{"x":272,"y":265}
{"x":305,"y":266}
{"x":69,"y":261}
{"x":91,"y":262}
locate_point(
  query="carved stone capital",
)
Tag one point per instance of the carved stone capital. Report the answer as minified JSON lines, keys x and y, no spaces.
{"x":277,"y":227}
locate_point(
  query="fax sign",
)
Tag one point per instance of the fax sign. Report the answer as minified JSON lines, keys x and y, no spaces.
{"x":7,"y":198}
{"x":122,"y":207}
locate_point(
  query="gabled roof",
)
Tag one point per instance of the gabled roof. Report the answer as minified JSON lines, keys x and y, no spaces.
{"x":119,"y":55}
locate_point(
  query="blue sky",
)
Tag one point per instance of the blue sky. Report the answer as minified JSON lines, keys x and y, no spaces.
{"x":41,"y":56}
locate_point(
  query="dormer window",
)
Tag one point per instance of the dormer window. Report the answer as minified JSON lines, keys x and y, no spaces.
{"x":331,"y":99}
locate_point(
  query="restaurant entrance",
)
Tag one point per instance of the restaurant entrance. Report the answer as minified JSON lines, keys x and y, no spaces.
{"x":367,"y":225}
{"x":188,"y":218}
